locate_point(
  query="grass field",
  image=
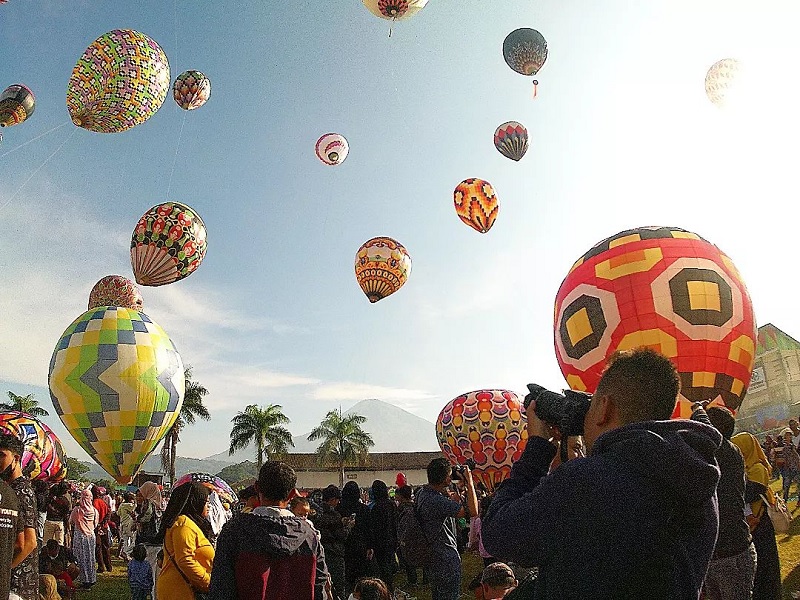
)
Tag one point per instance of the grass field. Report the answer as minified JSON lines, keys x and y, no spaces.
{"x":114,"y":585}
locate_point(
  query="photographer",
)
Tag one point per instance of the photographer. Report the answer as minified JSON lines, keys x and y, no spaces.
{"x":638,"y":517}
{"x":438,"y":507}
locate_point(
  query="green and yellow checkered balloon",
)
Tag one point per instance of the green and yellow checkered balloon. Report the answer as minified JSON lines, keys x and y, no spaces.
{"x":117,"y":383}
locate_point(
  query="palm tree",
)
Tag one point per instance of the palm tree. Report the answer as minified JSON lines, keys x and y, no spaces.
{"x":262,"y":427}
{"x":27,"y":404}
{"x":191,"y":408}
{"x":343,"y":440}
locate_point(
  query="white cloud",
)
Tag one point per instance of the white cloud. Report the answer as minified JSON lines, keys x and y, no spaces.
{"x":362,"y":391}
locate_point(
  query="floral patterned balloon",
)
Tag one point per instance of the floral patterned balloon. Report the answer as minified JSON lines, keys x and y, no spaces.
{"x":168,"y":244}
{"x":487,"y":426}
{"x":115,"y":290}
{"x":191,"y":90}
{"x":382,"y":267}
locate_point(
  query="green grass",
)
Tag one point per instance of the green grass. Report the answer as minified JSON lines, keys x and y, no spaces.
{"x":114,"y":585}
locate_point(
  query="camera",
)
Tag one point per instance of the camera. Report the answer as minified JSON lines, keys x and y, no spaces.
{"x":457,"y":471}
{"x":565,"y":411}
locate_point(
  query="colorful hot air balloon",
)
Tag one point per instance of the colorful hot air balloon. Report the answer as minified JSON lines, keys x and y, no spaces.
{"x":191,"y":90}
{"x":525,"y":51}
{"x":44,"y":456}
{"x":665,"y":288}
{"x":332,"y":148}
{"x":487,"y":426}
{"x":722,"y":79}
{"x":395,"y":10}
{"x":168,"y":244}
{"x":511,"y":139}
{"x":476,"y":204}
{"x":382,"y":267}
{"x":115,"y":290}
{"x":212,"y":482}
{"x":17,"y":104}
{"x":117,"y":382}
{"x":120,"y":81}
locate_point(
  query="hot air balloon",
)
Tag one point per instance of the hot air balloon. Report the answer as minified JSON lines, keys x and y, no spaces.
{"x":168,"y":244}
{"x":525,"y":51}
{"x":212,"y":482}
{"x":17,"y":104}
{"x":722,"y":79}
{"x":117,"y":383}
{"x":115,"y":290}
{"x":476,"y":204}
{"x":120,"y":81}
{"x":395,"y":10}
{"x":43,"y":457}
{"x":511,"y":139}
{"x":665,"y":288}
{"x":332,"y":148}
{"x":191,"y":90}
{"x":382,"y":267}
{"x":487,"y":426}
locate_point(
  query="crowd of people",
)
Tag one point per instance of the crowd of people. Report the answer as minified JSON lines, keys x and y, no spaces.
{"x":639,"y":506}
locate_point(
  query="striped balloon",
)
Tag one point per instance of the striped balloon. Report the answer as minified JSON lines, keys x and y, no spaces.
{"x":511,"y":139}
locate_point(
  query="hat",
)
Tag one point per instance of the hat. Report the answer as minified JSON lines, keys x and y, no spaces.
{"x":498,"y":575}
{"x":331,"y":492}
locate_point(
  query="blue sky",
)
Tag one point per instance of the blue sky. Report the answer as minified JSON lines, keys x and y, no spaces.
{"x":622,"y":135}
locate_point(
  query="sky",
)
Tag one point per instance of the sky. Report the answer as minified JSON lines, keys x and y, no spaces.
{"x":621,"y":135}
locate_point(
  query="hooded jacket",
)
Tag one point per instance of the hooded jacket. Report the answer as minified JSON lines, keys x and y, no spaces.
{"x":269,"y":553}
{"x":638,"y":518}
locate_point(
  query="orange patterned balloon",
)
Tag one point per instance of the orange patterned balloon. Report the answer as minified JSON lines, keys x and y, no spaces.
{"x":382,"y":267}
{"x":476,"y":204}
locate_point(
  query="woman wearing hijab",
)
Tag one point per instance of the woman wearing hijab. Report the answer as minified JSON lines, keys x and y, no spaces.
{"x":767,"y":582}
{"x":384,"y":532}
{"x":148,"y":510}
{"x":188,"y":554}
{"x":359,"y":547}
{"x":84,"y":519}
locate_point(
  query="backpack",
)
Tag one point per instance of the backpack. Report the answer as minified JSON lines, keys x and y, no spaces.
{"x":414,"y":544}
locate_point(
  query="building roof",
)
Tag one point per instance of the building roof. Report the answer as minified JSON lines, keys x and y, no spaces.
{"x":379,"y":461}
{"x":772,"y":338}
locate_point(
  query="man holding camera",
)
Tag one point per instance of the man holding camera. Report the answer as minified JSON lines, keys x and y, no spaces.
{"x":438,"y":506}
{"x":638,"y":517}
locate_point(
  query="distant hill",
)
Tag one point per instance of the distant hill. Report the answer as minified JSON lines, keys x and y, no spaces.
{"x":392,"y":429}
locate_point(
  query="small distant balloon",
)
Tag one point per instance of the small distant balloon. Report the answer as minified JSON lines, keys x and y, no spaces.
{"x":382,"y":267}
{"x":17,"y":104}
{"x":395,"y":10}
{"x":168,"y":244}
{"x":476,"y":204}
{"x":511,"y":139}
{"x":722,"y":79}
{"x":115,"y":290}
{"x":120,"y":81}
{"x":332,"y":148}
{"x":191,"y":90}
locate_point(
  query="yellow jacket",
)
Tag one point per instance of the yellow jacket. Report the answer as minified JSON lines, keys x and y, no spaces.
{"x":192,"y":552}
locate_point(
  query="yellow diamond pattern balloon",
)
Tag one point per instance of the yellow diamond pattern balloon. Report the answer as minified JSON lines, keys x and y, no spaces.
{"x":117,"y":383}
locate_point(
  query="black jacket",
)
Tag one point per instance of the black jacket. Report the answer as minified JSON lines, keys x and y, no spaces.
{"x":636,"y":519}
{"x":332,"y":530}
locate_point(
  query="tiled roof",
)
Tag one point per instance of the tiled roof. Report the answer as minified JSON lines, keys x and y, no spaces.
{"x":379,"y":461}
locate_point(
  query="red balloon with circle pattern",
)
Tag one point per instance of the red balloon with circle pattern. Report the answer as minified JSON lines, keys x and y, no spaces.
{"x":487,"y":426}
{"x":667,"y":289}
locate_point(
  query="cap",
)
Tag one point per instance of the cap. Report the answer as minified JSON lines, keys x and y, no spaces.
{"x":498,"y":575}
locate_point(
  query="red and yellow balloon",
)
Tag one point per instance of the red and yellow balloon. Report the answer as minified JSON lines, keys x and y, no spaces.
{"x":487,"y":426}
{"x":382,"y":267}
{"x":664,"y":288}
{"x":476,"y":204}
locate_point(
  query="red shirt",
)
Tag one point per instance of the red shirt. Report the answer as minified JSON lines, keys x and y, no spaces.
{"x":102,"y":511}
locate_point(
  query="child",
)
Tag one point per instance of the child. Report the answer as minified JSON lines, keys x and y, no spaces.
{"x":140,"y":574}
{"x":300,"y":507}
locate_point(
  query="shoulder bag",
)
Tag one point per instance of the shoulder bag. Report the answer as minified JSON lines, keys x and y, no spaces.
{"x":778,"y":514}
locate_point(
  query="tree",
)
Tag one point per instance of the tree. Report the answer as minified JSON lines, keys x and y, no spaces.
{"x":75,"y":468}
{"x":343,"y":440}
{"x":27,"y":404}
{"x":262,"y":427}
{"x":191,"y":408}
{"x":237,"y":473}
